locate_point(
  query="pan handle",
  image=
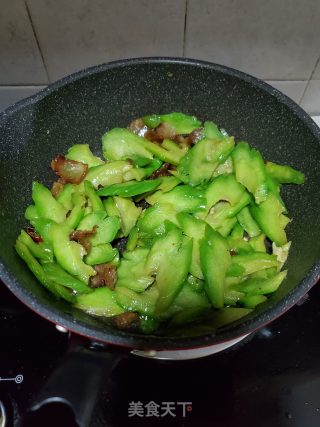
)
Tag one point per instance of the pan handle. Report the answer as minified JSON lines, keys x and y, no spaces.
{"x":72,"y":389}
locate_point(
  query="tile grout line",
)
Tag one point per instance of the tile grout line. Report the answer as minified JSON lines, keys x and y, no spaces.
{"x":37,"y":41}
{"x":185,"y":28}
{"x":310,"y":78}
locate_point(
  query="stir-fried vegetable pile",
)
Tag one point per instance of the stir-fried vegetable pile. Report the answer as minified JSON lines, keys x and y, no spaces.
{"x":177,"y":222}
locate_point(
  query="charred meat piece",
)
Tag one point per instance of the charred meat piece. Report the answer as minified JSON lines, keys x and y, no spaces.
{"x":126,"y":320}
{"x":57,"y":187}
{"x":190,"y":139}
{"x":163,"y":171}
{"x":69,"y":170}
{"x":138,"y":127}
{"x":34,"y":235}
{"x":163,"y":131}
{"x":83,"y":237}
{"x":96,"y":282}
{"x":152,"y":136}
{"x":106,"y":276}
{"x":195,"y":136}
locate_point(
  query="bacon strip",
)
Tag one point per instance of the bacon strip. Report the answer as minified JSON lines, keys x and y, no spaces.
{"x":34,"y":235}
{"x":126,"y":320}
{"x":106,"y":276}
{"x":163,"y":171}
{"x":138,"y":127}
{"x":69,"y":170}
{"x":57,"y":187}
{"x":163,"y":131}
{"x":83,"y":237}
{"x":190,"y":139}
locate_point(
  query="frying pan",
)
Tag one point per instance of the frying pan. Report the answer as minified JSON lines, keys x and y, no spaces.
{"x":81,"y":107}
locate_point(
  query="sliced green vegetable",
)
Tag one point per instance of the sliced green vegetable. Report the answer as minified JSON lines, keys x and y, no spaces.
{"x":100,"y":254}
{"x":31,"y":213}
{"x":43,"y":228}
{"x":249,"y":263}
{"x":108,"y":173}
{"x":129,"y":213}
{"x":251,"y":301}
{"x":226,"y":188}
{"x":94,"y":198}
{"x":143,"y":302}
{"x":215,"y":260}
{"x":284,"y":174}
{"x":194,"y":228}
{"x":168,"y":183}
{"x":111,"y":207}
{"x":250,"y":170}
{"x":152,"y":121}
{"x":132,"y":272}
{"x":148,"y":324}
{"x":219,"y":218}
{"x":258,"y":286}
{"x":224,"y":168}
{"x":188,"y":305}
{"x":236,"y":241}
{"x":100,"y":302}
{"x":196,"y":284}
{"x":281,"y":252}
{"x":82,"y":153}
{"x":169,"y":259}
{"x":168,"y":156}
{"x":69,"y":254}
{"x":133,"y":239}
{"x":46,"y":205}
{"x":121,"y":144}
{"x":257,"y":243}
{"x":200,"y":162}
{"x":129,"y":189}
{"x":106,"y":231}
{"x":269,"y":216}
{"x":225,"y":316}
{"x":91,"y":219}
{"x":77,"y":212}
{"x":35,"y":267}
{"x":183,"y":197}
{"x":151,"y":222}
{"x":248,"y":223}
{"x":38,"y":250}
{"x":211,"y":131}
{"x":55,"y":273}
{"x":65,"y":196}
{"x":181,"y":123}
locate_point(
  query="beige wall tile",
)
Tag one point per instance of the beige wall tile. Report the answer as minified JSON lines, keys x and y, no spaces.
{"x":293,"y":89}
{"x":20,"y":59}
{"x":81,"y":33}
{"x":316,"y":74}
{"x":311,"y":99}
{"x":273,"y":40}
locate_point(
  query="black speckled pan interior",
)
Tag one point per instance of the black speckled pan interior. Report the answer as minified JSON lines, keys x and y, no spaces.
{"x":81,"y":107}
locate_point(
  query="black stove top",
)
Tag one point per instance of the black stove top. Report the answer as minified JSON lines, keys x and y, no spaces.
{"x":270,"y":379}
